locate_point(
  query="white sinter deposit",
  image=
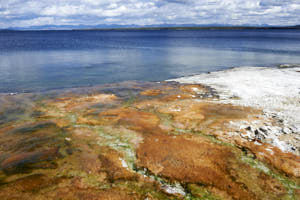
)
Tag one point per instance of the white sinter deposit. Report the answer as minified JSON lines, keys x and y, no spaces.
{"x":274,"y":90}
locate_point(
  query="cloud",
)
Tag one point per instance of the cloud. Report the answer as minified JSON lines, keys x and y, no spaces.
{"x":24,"y":13}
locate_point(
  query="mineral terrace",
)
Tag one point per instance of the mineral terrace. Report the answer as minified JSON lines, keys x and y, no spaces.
{"x":140,"y":141}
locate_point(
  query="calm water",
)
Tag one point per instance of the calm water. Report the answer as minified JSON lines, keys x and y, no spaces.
{"x":34,"y":61}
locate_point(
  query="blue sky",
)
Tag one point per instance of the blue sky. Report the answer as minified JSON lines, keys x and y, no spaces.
{"x":23,"y":13}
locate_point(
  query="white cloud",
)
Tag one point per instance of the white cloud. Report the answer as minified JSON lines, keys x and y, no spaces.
{"x":33,"y":12}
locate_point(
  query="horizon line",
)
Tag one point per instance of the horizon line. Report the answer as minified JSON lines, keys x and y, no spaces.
{"x":179,"y":27}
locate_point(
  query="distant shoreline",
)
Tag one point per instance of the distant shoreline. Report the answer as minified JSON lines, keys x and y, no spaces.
{"x":197,"y":28}
{"x":166,"y":28}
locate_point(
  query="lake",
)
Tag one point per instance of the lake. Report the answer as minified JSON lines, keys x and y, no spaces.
{"x":44,"y":60}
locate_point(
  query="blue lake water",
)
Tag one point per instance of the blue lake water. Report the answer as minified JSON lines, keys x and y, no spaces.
{"x":42,"y":60}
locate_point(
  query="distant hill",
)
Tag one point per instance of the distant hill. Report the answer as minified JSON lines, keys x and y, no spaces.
{"x":147,"y":27}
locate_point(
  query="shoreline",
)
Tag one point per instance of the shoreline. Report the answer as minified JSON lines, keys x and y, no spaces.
{"x":281,"y":65}
{"x":275,"y":90}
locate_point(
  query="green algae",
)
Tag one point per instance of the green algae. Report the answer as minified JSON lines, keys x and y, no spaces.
{"x":16,"y":116}
{"x":119,"y":141}
{"x":162,"y":182}
{"x":91,"y":180}
{"x":197,"y":192}
{"x":290,"y":185}
{"x":145,"y":190}
{"x":11,"y":115}
{"x":129,"y":101}
{"x":213,"y":138}
{"x":72,"y":118}
{"x":165,"y":119}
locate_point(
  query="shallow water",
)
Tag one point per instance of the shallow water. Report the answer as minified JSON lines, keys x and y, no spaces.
{"x":37,"y":61}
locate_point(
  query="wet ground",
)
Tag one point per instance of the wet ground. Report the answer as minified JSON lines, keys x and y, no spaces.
{"x":137,"y":140}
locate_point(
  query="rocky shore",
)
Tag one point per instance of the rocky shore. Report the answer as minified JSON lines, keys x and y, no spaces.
{"x":225,"y":135}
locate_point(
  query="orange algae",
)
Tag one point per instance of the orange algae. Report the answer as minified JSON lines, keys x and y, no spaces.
{"x":194,"y":159}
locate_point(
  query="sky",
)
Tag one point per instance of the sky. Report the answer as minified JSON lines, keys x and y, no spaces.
{"x":25,"y":13}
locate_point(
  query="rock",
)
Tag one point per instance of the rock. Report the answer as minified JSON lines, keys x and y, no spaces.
{"x":259,"y":135}
{"x":264,"y":130}
{"x":249,"y":128}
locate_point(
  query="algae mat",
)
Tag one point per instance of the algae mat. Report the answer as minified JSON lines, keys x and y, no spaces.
{"x":137,"y":140}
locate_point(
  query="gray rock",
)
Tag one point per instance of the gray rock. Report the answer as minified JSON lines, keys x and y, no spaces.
{"x":259,"y":135}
